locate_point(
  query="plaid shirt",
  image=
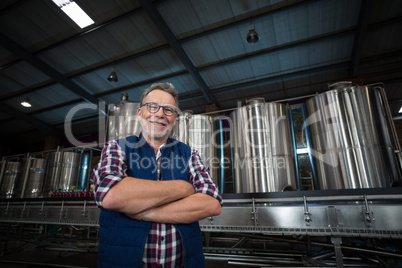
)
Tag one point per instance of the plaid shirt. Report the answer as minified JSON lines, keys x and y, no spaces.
{"x":163,"y":245}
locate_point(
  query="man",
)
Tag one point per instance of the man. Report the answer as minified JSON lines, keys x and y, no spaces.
{"x":152,"y":191}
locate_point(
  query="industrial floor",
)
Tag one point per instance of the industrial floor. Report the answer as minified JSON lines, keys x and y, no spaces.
{"x":30,"y":257}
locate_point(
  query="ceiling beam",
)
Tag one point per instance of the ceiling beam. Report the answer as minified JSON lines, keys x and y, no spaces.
{"x":160,"y":23}
{"x":45,"y":68}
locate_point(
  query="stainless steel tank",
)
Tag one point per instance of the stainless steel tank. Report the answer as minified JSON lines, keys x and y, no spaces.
{"x":262,"y":152}
{"x":349,"y":138}
{"x":181,"y":128}
{"x":21,"y":177}
{"x":69,"y":171}
{"x":8,"y":180}
{"x":30,"y":183}
{"x":52,"y":174}
{"x":197,"y":131}
{"x":202,"y":137}
{"x":122,"y":120}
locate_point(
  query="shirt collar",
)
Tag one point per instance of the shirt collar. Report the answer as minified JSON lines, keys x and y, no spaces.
{"x":159,"y":153}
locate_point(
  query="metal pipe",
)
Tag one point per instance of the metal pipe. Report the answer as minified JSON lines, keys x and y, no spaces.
{"x":243,"y":264}
{"x":221,"y":156}
{"x":323,"y":255}
{"x":297,"y":98}
{"x":259,"y":259}
{"x":383,"y":263}
{"x":292,"y":132}
{"x":69,"y":249}
{"x":239,"y":242}
{"x":220,"y":111}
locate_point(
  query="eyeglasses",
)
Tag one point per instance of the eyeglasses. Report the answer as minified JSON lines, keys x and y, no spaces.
{"x":154,"y":108}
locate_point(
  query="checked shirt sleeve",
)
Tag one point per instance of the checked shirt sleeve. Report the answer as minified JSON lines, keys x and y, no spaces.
{"x":200,"y":177}
{"x":110,"y":170}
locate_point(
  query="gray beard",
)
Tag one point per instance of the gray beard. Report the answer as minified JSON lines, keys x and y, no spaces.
{"x":152,"y":135}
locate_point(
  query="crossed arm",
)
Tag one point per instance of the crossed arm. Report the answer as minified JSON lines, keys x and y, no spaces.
{"x":160,"y":201}
{"x":164,"y":201}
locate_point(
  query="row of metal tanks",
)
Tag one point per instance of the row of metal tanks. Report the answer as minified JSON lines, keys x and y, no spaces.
{"x":349,"y":134}
{"x":350,"y":140}
{"x":59,"y":173}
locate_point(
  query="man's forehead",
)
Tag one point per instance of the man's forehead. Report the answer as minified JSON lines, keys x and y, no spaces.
{"x":160,"y":97}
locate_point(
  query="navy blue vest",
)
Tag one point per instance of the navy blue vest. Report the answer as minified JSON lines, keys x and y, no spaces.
{"x":122,"y":239}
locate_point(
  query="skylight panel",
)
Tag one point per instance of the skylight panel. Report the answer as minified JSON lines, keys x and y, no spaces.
{"x":74,"y":12}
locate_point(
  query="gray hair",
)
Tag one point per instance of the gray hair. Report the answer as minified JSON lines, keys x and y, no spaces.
{"x":167,"y":87}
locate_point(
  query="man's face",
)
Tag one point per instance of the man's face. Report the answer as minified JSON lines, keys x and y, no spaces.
{"x":157,"y":125}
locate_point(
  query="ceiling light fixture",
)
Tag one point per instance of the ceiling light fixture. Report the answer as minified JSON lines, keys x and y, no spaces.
{"x":26,"y":103}
{"x":252,"y":36}
{"x":400,"y":110}
{"x":112,"y":76}
{"x":74,"y":12}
